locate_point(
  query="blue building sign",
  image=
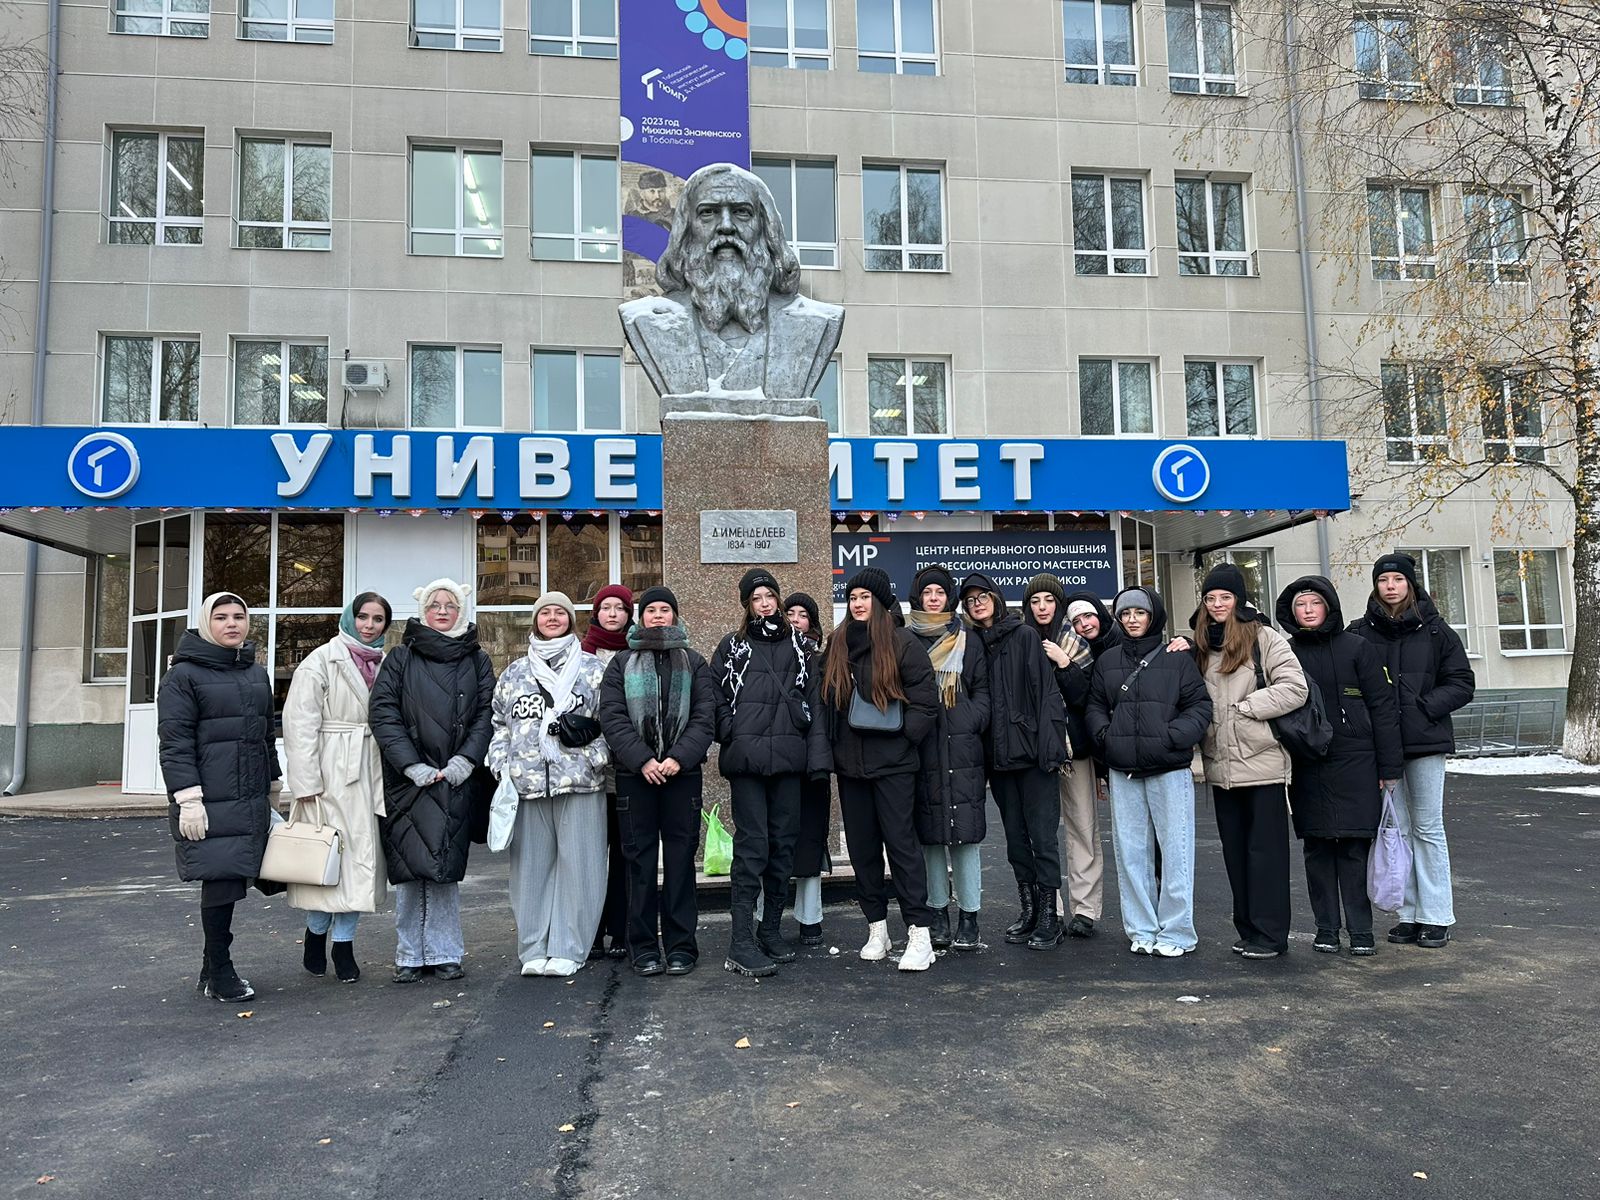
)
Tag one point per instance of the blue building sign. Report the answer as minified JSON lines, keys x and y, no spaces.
{"x":103,"y":465}
{"x":1181,"y":474}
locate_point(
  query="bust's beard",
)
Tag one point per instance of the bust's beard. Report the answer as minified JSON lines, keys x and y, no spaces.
{"x":726,"y":289}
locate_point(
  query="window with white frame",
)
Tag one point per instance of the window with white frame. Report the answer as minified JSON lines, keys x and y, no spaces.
{"x":455,"y":387}
{"x":1202,"y":57}
{"x":165,"y":18}
{"x":577,"y":391}
{"x":1513,"y":423}
{"x":1220,"y":398}
{"x":106,"y":656}
{"x":1108,"y":226}
{"x":790,"y":33}
{"x":1387,"y":54}
{"x":285,"y":194}
{"x":1400,"y":219}
{"x":1497,"y":237}
{"x":1442,"y":574}
{"x":576,"y":206}
{"x":159,"y":609}
{"x":903,"y":217}
{"x":573,"y":28}
{"x":827,"y":396}
{"x":456,"y":201}
{"x":1479,"y":65}
{"x":907,"y":397}
{"x":1414,"y":422}
{"x":1527,"y":587}
{"x":280,"y":382}
{"x":455,"y":24}
{"x":287,"y":20}
{"x":146,"y":379}
{"x":1211,"y":227}
{"x":1116,"y":396}
{"x":1099,"y":44}
{"x":157,"y":189}
{"x":805,"y":194}
{"x":1138,"y":544}
{"x":897,"y":37}
{"x":1254,"y":565}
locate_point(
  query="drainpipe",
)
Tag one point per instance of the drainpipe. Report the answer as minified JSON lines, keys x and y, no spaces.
{"x":1307,"y":294}
{"x":41,"y":339}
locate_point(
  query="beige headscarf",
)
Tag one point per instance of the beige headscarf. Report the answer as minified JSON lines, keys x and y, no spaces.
{"x":209,"y":604}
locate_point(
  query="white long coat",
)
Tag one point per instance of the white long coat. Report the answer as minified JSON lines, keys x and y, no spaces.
{"x":330,"y":752}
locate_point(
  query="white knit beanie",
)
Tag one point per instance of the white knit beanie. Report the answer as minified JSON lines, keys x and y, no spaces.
{"x":560,"y":600}
{"x":424,"y":594}
{"x":1077,"y":609}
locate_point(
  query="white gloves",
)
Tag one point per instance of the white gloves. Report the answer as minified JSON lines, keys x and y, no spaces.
{"x":457,"y":770}
{"x":192,"y":823}
{"x":422,"y":775}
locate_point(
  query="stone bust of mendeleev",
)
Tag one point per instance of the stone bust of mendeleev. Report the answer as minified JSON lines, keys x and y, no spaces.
{"x":732,"y":320}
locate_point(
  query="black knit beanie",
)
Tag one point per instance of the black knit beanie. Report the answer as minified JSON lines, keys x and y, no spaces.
{"x":1225,"y":577}
{"x":757,"y":577}
{"x":1395,"y":561}
{"x":876,"y":582}
{"x":934,"y":574}
{"x":806,"y":602}
{"x":659,"y":593}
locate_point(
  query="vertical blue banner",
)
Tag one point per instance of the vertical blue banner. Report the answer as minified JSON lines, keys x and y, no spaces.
{"x":685,"y":74}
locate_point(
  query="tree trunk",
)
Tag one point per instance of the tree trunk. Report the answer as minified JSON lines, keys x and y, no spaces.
{"x":1582,"y":738}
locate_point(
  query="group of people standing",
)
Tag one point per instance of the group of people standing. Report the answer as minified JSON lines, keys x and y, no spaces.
{"x":916,"y":715}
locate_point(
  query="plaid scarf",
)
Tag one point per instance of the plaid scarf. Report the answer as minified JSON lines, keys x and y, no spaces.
{"x":659,"y":718}
{"x":948,"y":653}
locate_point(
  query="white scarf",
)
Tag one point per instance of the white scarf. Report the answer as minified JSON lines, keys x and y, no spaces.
{"x":554,"y":662}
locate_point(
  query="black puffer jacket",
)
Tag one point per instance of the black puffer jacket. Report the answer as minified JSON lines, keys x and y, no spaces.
{"x":1428,"y":667}
{"x":1338,"y":796}
{"x":873,"y":755}
{"x":629,"y":751}
{"x":1153,"y":726}
{"x":950,"y":785}
{"x":214,"y":714}
{"x":1072,"y":679}
{"x":766,"y":732}
{"x":1027,"y":716}
{"x":431,"y":701}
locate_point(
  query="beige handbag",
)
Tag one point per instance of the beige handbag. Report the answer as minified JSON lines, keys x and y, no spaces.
{"x":303,"y":853}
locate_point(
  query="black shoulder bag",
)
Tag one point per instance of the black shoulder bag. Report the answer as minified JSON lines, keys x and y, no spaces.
{"x":1306,"y":732}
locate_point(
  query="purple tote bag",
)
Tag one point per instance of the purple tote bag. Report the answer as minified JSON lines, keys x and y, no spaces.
{"x":1389,"y":866}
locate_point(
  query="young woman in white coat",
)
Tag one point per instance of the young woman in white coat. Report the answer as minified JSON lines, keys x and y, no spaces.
{"x":334,"y":769}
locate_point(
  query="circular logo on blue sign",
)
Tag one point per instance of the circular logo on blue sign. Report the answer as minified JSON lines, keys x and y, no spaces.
{"x":103,"y":466}
{"x":1181,"y":474}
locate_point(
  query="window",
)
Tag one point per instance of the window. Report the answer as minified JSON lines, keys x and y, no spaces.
{"x":1254,"y":565}
{"x":1497,"y":237}
{"x":1479,"y":67}
{"x":168,"y":18}
{"x":1099,"y":42}
{"x":1415,"y":427}
{"x":1201,"y":57}
{"x":1443,"y":577}
{"x":107,"y":610}
{"x":827,"y":396}
{"x":148,"y":379}
{"x":455,"y":387}
{"x":455,"y":24}
{"x":897,"y":37}
{"x":160,"y":602}
{"x":456,"y":201}
{"x":1138,"y":540}
{"x":575,"y":391}
{"x":1513,"y":425}
{"x":287,"y":20}
{"x":1401,"y":221}
{"x":280,"y":383}
{"x":1211,"y":228}
{"x":804,"y":190}
{"x":1527,"y":586}
{"x":1387,"y":55}
{"x":791,"y":33}
{"x":907,"y":397}
{"x":585,"y":28}
{"x":576,"y":206}
{"x":157,"y":189}
{"x":903,"y":217}
{"x":1115,"y":396}
{"x":1108,"y":226}
{"x":285,"y":195}
{"x":1220,"y":398}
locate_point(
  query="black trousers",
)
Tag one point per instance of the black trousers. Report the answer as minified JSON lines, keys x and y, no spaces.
{"x":766,"y":821}
{"x":1336,"y":869}
{"x":811,"y":846}
{"x":614,"y":916}
{"x":660,"y":823}
{"x":877,"y":819}
{"x":1030,"y":809}
{"x":1253,"y":823}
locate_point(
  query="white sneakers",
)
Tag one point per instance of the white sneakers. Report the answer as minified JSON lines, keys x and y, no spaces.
{"x":877,"y":947}
{"x":534,"y":966}
{"x":561,"y":966}
{"x":1142,"y":947}
{"x":919,"y":950}
{"x":1166,"y":950}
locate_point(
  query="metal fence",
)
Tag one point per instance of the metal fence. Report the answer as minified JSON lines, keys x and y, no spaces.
{"x":1504,"y":726}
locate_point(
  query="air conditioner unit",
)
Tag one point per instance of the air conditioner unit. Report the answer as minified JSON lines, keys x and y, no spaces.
{"x":361,"y":376}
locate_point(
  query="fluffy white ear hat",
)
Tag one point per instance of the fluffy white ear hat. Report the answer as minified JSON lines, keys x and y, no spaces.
{"x":459,"y":590}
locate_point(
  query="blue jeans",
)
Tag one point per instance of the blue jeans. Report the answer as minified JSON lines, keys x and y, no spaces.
{"x":1419,"y":807}
{"x":960,"y":862}
{"x":1146,"y":813}
{"x":343,"y":924}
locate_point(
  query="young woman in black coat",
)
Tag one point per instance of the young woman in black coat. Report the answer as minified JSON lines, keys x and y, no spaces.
{"x":770,"y":744}
{"x":811,"y":856}
{"x":880,"y":703}
{"x":1337,"y":801}
{"x":219,"y":760}
{"x":1027,"y":745}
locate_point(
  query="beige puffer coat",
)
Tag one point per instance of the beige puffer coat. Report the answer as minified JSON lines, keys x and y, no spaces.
{"x":1239,"y":749}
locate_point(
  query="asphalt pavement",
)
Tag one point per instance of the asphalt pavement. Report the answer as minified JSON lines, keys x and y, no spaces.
{"x":1084,"y":1072}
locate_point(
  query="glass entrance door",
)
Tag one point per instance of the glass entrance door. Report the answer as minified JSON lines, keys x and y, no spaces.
{"x":158,"y":613}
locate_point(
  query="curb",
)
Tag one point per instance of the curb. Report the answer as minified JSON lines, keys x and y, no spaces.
{"x":19,"y":807}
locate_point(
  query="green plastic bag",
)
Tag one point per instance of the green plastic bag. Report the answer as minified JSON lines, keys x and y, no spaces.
{"x":719,"y":844}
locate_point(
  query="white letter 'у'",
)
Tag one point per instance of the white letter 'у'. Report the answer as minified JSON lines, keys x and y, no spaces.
{"x":299,"y":466}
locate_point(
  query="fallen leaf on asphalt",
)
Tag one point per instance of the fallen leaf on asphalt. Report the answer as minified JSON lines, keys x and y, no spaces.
{"x":549,"y":1024}
{"x":567,"y":1128}
{"x":324,"y":1141}
{"x":792,"y":1104}
{"x":742,"y":1044}
{"x":44,"y":1179}
{"x":1188,"y":999}
{"x":1274,"y":1049}
{"x":1419,"y":1174}
{"x":247,"y":1014}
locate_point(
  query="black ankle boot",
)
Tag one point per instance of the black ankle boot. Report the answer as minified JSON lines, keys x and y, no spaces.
{"x":316,"y":953}
{"x":344,"y":962}
{"x":744,"y":956}
{"x":223,"y":982}
{"x":770,"y":939}
{"x":205,"y":971}
{"x":1019,"y":930}
{"x":939,"y":931}
{"x":811,"y":935}
{"x":1047,"y":931}
{"x":967,"y":931}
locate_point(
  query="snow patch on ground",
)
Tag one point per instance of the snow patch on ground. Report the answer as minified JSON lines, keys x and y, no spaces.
{"x":1586,"y":789}
{"x":1520,"y":764}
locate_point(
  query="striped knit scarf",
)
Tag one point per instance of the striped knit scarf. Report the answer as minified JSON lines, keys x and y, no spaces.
{"x":659,"y":720}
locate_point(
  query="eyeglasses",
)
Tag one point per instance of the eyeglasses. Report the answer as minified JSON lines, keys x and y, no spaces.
{"x":444,"y":608}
